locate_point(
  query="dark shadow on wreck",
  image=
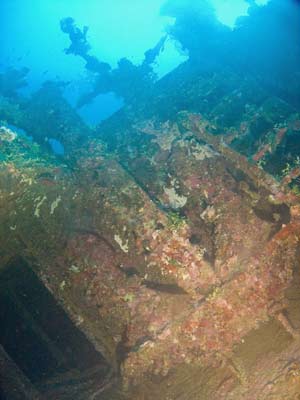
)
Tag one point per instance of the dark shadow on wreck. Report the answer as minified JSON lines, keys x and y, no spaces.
{"x":43,"y":355}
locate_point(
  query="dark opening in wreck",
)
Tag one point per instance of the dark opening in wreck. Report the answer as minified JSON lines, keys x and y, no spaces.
{"x":44,"y":350}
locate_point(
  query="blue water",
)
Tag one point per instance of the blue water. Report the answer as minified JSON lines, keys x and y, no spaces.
{"x":110,"y":54}
{"x":117,"y":29}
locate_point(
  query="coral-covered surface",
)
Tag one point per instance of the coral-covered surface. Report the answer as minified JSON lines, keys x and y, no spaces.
{"x":171,"y":239}
{"x":176,"y":266}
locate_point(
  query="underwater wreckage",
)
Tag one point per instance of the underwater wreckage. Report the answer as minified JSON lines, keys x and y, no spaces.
{"x":159,"y":258}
